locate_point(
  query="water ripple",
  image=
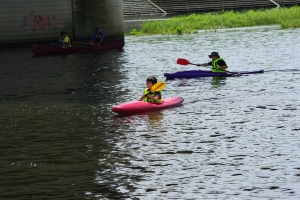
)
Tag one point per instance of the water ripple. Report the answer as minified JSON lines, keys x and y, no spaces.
{"x":234,"y":138}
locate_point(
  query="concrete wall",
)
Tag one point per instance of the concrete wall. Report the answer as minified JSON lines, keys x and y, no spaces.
{"x":23,"y":20}
{"x":41,"y":20}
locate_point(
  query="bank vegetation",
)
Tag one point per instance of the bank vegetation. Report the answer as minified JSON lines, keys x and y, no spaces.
{"x":286,"y":17}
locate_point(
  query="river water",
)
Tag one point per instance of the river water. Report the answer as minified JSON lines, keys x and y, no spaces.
{"x":235,"y":138}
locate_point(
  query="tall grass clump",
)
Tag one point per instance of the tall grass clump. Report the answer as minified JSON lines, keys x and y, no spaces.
{"x":286,"y":17}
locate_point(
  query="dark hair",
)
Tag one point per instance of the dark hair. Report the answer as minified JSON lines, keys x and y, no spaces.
{"x":63,"y":32}
{"x":151,"y":79}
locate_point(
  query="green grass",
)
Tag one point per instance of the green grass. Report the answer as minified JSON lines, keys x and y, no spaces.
{"x":286,"y":17}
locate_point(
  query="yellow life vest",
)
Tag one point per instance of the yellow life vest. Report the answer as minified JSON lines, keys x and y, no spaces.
{"x":146,"y":91}
{"x":64,"y":40}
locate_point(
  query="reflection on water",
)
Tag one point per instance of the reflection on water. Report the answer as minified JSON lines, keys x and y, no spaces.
{"x":233,"y":138}
{"x":215,"y":81}
{"x":218,"y":81}
{"x":152,"y":120}
{"x":155,"y":120}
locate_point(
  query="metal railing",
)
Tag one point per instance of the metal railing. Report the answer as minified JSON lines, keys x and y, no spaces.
{"x":275,"y":3}
{"x":165,"y":13}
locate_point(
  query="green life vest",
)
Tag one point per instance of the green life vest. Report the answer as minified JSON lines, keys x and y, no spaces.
{"x":146,"y":91}
{"x":215,"y":65}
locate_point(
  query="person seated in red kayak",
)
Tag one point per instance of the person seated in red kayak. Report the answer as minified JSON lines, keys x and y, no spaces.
{"x":218,"y":64}
{"x":64,"y":41}
{"x":98,"y":37}
{"x":149,"y":96}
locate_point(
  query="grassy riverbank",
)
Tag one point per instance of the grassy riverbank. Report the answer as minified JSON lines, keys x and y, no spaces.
{"x":286,"y":17}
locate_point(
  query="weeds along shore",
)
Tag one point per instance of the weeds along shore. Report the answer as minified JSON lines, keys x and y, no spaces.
{"x":286,"y":17}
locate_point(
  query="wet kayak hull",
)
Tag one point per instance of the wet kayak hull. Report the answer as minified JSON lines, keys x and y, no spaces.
{"x":140,"y":106}
{"x":200,"y":73}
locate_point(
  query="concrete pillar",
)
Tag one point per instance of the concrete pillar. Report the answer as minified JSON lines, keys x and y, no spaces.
{"x":105,"y":14}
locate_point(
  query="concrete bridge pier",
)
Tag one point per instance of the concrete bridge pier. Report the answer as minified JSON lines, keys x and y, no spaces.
{"x":105,"y":14}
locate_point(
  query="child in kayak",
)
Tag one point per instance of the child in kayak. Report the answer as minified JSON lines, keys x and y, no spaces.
{"x":149,"y":96}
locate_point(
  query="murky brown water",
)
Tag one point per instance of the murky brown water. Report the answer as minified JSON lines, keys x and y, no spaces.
{"x":235,"y":138}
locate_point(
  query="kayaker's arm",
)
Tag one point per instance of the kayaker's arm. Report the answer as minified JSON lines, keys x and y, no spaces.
{"x":153,"y":98}
{"x":100,"y":41}
{"x":222,"y":67}
{"x":142,"y":98}
{"x":203,"y":64}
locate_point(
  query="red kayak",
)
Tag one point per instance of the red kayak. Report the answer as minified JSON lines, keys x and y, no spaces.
{"x":52,"y":49}
{"x":140,"y":106}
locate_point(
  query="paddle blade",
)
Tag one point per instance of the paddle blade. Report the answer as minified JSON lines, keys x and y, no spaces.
{"x":182,"y":61}
{"x":158,"y":86}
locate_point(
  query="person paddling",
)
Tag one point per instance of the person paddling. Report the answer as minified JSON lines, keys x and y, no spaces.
{"x":149,"y":96}
{"x":97,"y":37}
{"x":218,"y":64}
{"x":64,"y":40}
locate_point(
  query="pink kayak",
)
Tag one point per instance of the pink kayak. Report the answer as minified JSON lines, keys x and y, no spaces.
{"x":140,"y":106}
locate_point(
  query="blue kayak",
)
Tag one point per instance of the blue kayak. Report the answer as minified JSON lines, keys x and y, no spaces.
{"x":200,"y":73}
